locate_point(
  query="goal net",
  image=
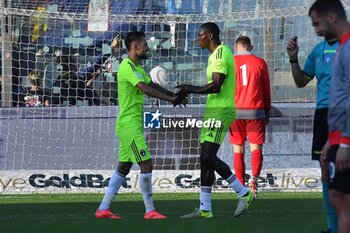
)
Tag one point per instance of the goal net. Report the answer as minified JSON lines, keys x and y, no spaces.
{"x":62,"y":138}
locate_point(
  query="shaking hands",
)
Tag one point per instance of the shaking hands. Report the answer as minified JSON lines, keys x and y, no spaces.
{"x":181,"y":97}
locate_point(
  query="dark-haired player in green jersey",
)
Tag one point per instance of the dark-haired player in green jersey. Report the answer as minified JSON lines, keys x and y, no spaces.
{"x":133,"y":83}
{"x":219,"y":106}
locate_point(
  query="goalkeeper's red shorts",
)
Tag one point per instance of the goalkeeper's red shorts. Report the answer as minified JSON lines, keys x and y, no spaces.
{"x":254,"y":129}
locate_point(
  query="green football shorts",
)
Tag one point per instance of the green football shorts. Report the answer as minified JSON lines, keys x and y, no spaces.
{"x":216,"y":134}
{"x":133,"y":147}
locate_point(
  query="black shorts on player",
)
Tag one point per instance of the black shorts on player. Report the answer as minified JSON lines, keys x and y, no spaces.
{"x":320,"y":132}
{"x":339,"y":181}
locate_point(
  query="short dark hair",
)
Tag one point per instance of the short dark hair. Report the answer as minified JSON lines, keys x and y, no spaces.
{"x":323,"y":7}
{"x":244,"y":41}
{"x":211,"y":28}
{"x":133,"y":36}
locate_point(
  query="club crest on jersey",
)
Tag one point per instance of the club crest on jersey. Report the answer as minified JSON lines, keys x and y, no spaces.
{"x":142,"y":152}
{"x":327,"y":59}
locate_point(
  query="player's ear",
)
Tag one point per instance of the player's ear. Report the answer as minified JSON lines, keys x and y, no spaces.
{"x":210,"y":36}
{"x":331,"y":17}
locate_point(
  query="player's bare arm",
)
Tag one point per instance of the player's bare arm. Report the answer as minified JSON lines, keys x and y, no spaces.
{"x":342,"y":162}
{"x":155,"y":93}
{"x":213,"y":87}
{"x":324,"y":155}
{"x":161,"y":89}
{"x":182,"y":98}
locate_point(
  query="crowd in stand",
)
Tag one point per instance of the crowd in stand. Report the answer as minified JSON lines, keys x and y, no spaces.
{"x":72,"y":87}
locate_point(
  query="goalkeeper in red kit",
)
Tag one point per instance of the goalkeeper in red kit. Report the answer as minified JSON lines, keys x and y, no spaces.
{"x":253,"y":103}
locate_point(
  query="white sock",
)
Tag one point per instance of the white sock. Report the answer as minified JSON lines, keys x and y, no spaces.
{"x":145,"y":180}
{"x":114,"y":184}
{"x":205,"y":198}
{"x":236,"y":186}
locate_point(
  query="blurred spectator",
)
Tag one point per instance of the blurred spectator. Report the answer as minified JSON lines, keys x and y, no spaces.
{"x":71,"y":87}
{"x":34,"y":96}
{"x":102,"y":65}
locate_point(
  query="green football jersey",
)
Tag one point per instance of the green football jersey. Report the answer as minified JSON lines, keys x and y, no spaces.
{"x":130,"y":96}
{"x":221,"y":104}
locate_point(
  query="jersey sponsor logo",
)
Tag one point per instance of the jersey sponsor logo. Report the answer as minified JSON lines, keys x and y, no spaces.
{"x":151,"y":119}
{"x":219,"y":65}
{"x":142,"y":152}
{"x":138,"y":75}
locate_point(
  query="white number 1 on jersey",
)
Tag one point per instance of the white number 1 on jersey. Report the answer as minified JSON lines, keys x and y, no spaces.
{"x":243,"y":68}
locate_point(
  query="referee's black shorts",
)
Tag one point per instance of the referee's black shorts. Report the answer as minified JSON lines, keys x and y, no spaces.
{"x":339,"y":181}
{"x":320,"y":132}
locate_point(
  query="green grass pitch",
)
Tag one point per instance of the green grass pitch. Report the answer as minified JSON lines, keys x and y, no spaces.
{"x":74,"y":213}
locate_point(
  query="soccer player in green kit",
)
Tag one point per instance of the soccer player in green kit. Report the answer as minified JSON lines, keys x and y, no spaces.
{"x":133,"y":83}
{"x":219,"y":106}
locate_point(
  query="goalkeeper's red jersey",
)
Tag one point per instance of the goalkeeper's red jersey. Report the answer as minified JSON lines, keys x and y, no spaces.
{"x":253,"y":95}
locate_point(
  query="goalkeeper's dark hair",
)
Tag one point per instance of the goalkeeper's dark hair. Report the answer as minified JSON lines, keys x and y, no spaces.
{"x":211,"y":27}
{"x":133,"y":36}
{"x":244,"y":41}
{"x":324,"y":7}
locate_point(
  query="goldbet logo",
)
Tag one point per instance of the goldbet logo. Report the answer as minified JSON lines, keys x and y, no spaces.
{"x":81,"y":181}
{"x":39,"y":181}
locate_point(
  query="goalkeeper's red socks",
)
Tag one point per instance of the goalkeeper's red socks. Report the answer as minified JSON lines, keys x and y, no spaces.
{"x":257,"y":161}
